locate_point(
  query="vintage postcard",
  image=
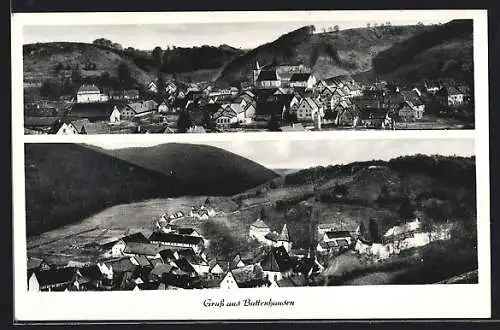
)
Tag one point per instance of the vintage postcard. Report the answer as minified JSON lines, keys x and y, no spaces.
{"x":311,"y":73}
{"x":358,"y":187}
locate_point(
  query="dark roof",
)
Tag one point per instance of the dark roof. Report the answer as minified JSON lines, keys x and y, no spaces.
{"x":142,"y":260}
{"x":91,"y":272}
{"x":272,"y":236}
{"x":267,"y":75}
{"x":412,"y":96}
{"x":191,"y":257}
{"x":95,"y":128}
{"x":148,"y":249}
{"x":121,"y":265}
{"x":337,"y":234}
{"x":300,"y":77}
{"x":91,"y":110}
{"x":175,"y":238}
{"x":142,"y":107}
{"x":186,"y":231}
{"x":56,"y":276}
{"x":136,"y":238}
{"x":451,"y":90}
{"x":184,"y":265}
{"x":277,"y":260}
{"x":248,"y":277}
{"x":88,"y":89}
{"x":161,"y":269}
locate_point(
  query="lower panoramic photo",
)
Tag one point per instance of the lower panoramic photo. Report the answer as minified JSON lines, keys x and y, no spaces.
{"x":250,"y":214}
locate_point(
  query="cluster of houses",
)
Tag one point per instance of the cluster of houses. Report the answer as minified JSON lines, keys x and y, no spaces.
{"x":176,"y":258}
{"x":289,"y":96}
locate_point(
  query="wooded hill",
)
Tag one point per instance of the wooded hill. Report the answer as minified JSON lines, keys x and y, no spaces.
{"x":67,"y":182}
{"x":326,"y":53}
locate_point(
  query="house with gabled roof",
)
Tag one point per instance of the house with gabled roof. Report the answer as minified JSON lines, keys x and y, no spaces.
{"x":450,"y":95}
{"x":92,"y":111}
{"x":139,"y":109}
{"x":309,"y":267}
{"x":149,"y":250}
{"x":268,"y":79}
{"x":304,"y":80}
{"x":90,"y":94}
{"x":237,"y":262}
{"x":169,"y":239}
{"x":308,"y":109}
{"x":407,"y":112}
{"x":218,"y":267}
{"x":250,"y":276}
{"x":258,"y":229}
{"x":277,"y":264}
{"x":57,"y":279}
{"x":63,"y":127}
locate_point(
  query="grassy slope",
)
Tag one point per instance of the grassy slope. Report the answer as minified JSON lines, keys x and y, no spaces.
{"x":328,"y":53}
{"x":39,"y":60}
{"x":442,"y":182}
{"x":67,"y":182}
{"x":444,"y":51}
{"x":198,"y":169}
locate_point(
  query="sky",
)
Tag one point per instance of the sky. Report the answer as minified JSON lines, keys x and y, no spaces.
{"x":243,"y":35}
{"x":297,"y":154}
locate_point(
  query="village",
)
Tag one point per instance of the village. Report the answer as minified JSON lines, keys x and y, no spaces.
{"x":273,"y":98}
{"x":175,"y":257}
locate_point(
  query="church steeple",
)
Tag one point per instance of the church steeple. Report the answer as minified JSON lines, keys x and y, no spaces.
{"x":284,"y":237}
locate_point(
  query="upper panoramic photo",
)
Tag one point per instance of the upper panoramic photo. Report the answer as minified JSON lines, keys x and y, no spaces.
{"x":215,"y":77}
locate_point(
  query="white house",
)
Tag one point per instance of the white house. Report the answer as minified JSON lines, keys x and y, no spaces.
{"x":335,"y":236}
{"x":152,"y":87}
{"x":229,"y":282}
{"x":117,"y":249}
{"x":258,"y":230}
{"x":307,"y":108}
{"x":90,"y":94}
{"x":302,"y":80}
{"x":63,"y":128}
{"x":33,"y":284}
{"x":284,"y":239}
{"x":163,"y":107}
{"x":115,"y":115}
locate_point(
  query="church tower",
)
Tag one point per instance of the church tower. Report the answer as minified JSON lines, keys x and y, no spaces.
{"x":284,"y":239}
{"x":256,"y":72}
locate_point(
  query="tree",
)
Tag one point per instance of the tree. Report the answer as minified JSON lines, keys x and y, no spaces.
{"x":273,"y":124}
{"x":157,"y":55}
{"x":58,"y":68}
{"x":208,"y":121}
{"x":105,"y":78}
{"x":160,"y":85}
{"x":336,"y":28}
{"x":76,"y":76}
{"x":262,"y":214}
{"x":368,"y":25}
{"x":50,"y":89}
{"x":183,"y":122}
{"x":406,"y":210}
{"x":124,"y":76}
{"x":374,"y":234}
